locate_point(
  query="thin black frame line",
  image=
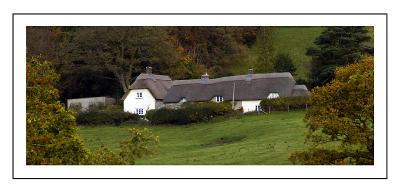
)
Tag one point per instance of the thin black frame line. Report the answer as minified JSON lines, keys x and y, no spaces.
{"x":12,"y":68}
{"x":200,"y":13}
{"x":387,"y":87}
{"x":387,"y":95}
{"x":201,"y":178}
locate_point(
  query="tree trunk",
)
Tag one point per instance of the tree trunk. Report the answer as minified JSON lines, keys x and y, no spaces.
{"x":122,"y":81}
{"x":124,"y":86}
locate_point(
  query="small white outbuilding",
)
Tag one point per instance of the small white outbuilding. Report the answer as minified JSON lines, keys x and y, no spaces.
{"x":83,"y":104}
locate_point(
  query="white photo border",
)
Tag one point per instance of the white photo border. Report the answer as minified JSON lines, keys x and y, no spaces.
{"x":376,"y":171}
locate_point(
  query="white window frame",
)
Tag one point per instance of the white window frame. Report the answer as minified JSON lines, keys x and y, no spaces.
{"x":140,"y":111}
{"x":139,"y":95}
{"x":273,"y":95}
{"x":258,"y":108}
{"x":219,"y":99}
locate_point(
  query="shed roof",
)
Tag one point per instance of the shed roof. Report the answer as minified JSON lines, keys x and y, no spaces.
{"x":300,"y":90}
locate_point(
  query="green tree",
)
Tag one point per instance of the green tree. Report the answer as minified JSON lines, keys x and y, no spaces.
{"x":43,"y":41}
{"x":337,"y":46}
{"x":245,"y":35}
{"x":51,"y":134}
{"x":77,"y":78}
{"x":341,"y":119}
{"x":125,"y":51}
{"x":211,"y":48}
{"x":80,"y":54}
{"x":265,"y":50}
{"x":186,"y":69}
{"x":284,"y":63}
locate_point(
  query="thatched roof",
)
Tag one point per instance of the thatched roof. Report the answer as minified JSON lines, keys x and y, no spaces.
{"x":256,"y":88}
{"x":300,"y":90}
{"x":158,"y":85}
{"x":247,"y":87}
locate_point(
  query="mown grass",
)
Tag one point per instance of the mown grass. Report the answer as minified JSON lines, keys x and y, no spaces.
{"x":253,"y":139}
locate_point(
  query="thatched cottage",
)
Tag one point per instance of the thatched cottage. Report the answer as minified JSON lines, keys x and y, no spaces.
{"x":151,"y":91}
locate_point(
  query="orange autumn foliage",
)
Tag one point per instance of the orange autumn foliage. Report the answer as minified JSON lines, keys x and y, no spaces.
{"x":341,"y":119}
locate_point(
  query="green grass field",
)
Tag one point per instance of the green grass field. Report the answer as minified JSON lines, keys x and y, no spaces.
{"x":295,"y":41}
{"x":287,"y":40}
{"x":247,"y":139}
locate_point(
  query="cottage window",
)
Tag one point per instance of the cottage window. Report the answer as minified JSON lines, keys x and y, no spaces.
{"x":220,"y":99}
{"x":139,"y":111}
{"x":273,"y":96}
{"x":258,"y":108}
{"x":139,"y":95}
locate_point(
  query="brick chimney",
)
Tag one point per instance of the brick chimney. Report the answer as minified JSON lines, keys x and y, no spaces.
{"x":204,"y":78}
{"x":148,"y":70}
{"x":249,"y":74}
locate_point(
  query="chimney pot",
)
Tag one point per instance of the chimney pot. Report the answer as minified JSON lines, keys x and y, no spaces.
{"x":204,"y":78}
{"x":249,"y":74}
{"x":149,"y":70}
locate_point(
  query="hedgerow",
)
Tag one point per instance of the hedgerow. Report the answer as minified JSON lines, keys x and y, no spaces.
{"x":110,"y":115}
{"x":285,"y":104}
{"x":189,"y":113}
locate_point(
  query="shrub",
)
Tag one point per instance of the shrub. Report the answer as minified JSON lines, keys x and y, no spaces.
{"x":189,"y":113}
{"x":104,"y":156}
{"x":282,"y":104}
{"x":106,"y":115}
{"x":141,"y":143}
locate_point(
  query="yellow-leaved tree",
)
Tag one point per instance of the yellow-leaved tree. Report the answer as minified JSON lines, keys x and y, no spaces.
{"x":341,"y":120}
{"x":51,"y":133}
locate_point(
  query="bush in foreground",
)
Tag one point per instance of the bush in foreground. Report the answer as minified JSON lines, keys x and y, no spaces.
{"x":142,"y":142}
{"x":342,"y":115}
{"x":51,"y":133}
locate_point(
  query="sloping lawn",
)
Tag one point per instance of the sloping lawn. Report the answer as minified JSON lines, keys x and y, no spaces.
{"x":293,"y":40}
{"x":247,"y":139}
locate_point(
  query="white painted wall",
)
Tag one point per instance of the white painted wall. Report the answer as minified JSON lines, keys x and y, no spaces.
{"x":248,"y":106}
{"x":86,"y":102}
{"x":147,"y":102}
{"x":238,"y":105}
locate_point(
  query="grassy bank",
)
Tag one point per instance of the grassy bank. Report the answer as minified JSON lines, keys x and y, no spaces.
{"x":286,"y":40}
{"x":253,"y":139}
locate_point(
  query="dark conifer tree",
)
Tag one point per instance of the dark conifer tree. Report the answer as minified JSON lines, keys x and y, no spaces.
{"x":337,"y":46}
{"x":284,"y":63}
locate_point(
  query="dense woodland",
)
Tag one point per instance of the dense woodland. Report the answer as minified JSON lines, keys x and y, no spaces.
{"x":98,"y":61}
